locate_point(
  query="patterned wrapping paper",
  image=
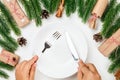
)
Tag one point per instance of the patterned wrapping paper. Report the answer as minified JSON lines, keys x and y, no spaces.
{"x":100,"y":7}
{"x":110,"y":44}
{"x":9,"y":58}
{"x":17,"y":13}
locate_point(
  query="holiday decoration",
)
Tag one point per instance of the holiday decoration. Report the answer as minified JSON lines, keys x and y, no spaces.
{"x":80,"y":5}
{"x":3,"y":74}
{"x":9,"y":58}
{"x":8,"y":19}
{"x":97,"y":37}
{"x":46,"y":4}
{"x":88,"y":9}
{"x":97,"y":12}
{"x":70,"y":7}
{"x":108,"y":9}
{"x":111,"y":44}
{"x":16,"y":12}
{"x":45,"y":14}
{"x":60,"y":9}
{"x":22,"y":41}
{"x":117,"y":75}
{"x":33,"y":10}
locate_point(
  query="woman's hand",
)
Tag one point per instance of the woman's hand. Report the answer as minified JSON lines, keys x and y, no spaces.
{"x":26,"y":69}
{"x":87,"y":72}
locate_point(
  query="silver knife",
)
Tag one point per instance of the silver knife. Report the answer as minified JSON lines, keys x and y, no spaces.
{"x":72,"y":48}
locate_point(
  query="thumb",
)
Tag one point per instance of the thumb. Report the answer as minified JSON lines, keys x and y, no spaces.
{"x":79,"y":74}
{"x":32,"y":72}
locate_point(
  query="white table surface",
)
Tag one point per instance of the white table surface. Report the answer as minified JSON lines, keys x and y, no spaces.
{"x":94,"y":56}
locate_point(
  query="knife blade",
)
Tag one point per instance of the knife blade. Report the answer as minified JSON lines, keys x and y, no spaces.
{"x":72,"y":47}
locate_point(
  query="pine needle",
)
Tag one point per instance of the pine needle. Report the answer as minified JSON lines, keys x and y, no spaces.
{"x":88,"y":10}
{"x":7,"y":46}
{"x":38,"y":11}
{"x":115,"y":54}
{"x":81,"y":7}
{"x":7,"y":37}
{"x":70,"y":7}
{"x":27,"y":8}
{"x":10,"y":19}
{"x":3,"y":74}
{"x":54,"y":5}
{"x":4,"y":26}
{"x":111,"y":5}
{"x":113,"y":28}
{"x":115,"y":65}
{"x":6,"y":66}
{"x":110,"y":18}
{"x":46,"y":4}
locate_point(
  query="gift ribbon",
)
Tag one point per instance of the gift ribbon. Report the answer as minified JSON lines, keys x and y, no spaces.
{"x":16,"y":10}
{"x":92,"y":20}
{"x":110,"y":41}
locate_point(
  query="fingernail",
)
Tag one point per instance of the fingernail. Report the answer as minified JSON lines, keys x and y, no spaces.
{"x":34,"y":64}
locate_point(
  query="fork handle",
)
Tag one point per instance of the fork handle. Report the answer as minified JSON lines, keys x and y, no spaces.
{"x":44,"y":50}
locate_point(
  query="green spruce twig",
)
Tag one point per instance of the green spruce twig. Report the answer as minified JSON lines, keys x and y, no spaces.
{"x":6,"y":66}
{"x":108,"y":9}
{"x":70,"y":7}
{"x":110,"y":19}
{"x":88,"y":10}
{"x":10,"y":19}
{"x":115,"y":54}
{"x":38,"y":11}
{"x":113,"y":28}
{"x":115,"y":65}
{"x":46,"y":4}
{"x":3,"y":74}
{"x":7,"y":46}
{"x":54,"y":5}
{"x":81,"y":7}
{"x":27,"y":8}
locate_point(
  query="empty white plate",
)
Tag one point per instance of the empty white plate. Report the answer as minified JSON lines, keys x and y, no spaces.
{"x":57,"y":62}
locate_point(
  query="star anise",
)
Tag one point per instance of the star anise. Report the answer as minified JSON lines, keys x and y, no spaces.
{"x":22,"y":41}
{"x":98,"y":37}
{"x":45,"y":14}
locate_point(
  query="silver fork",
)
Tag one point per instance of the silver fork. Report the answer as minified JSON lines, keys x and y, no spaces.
{"x":55,"y":36}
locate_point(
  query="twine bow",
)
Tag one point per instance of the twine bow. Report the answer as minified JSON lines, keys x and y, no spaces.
{"x":92,"y":21}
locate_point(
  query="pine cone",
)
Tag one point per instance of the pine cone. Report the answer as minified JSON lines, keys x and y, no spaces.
{"x":98,"y":37}
{"x":45,"y":14}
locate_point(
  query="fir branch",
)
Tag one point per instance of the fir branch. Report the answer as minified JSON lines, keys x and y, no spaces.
{"x":38,"y":11}
{"x":81,"y":6}
{"x":4,"y":26}
{"x":3,"y":74}
{"x":6,"y":66}
{"x":111,"y":5}
{"x":27,"y":8}
{"x":115,"y":54}
{"x":54,"y":5}
{"x":70,"y":7}
{"x":46,"y":4}
{"x":88,"y":10}
{"x":8,"y":38}
{"x":110,"y":18}
{"x":10,"y":19}
{"x":115,"y":65}
{"x":113,"y":28}
{"x":7,"y":46}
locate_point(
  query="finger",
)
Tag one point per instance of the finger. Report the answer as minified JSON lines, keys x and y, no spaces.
{"x":80,"y":74}
{"x":83,"y":67}
{"x":92,"y":67}
{"x":32,"y":72}
{"x":31,"y":62}
{"x":22,"y":65}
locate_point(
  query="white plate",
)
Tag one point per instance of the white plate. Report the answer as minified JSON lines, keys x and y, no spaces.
{"x":57,"y":61}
